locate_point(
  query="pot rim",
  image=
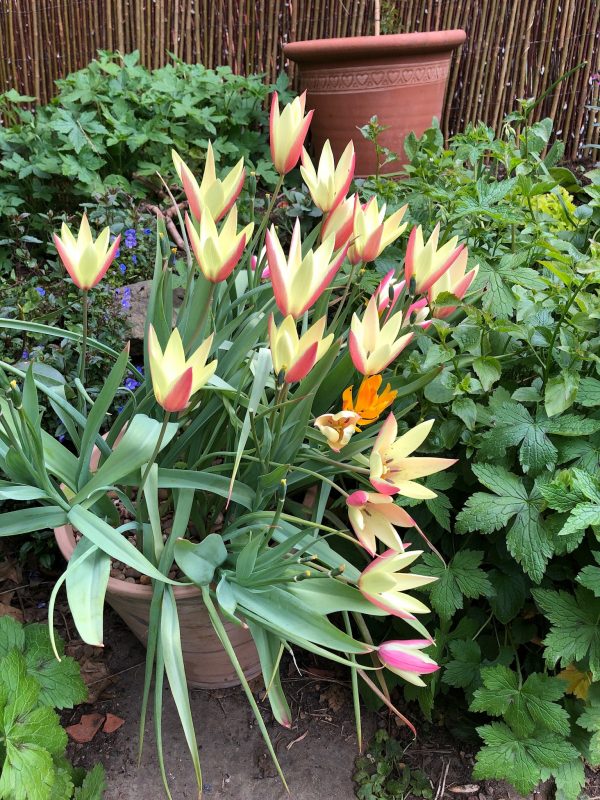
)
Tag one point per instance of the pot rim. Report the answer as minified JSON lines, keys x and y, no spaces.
{"x":393,"y":44}
{"x":65,"y":538}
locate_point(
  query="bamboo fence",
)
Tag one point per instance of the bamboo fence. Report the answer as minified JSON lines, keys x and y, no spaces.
{"x":514,"y":48}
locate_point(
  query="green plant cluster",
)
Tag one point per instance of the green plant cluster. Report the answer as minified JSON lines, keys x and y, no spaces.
{"x":382,"y":774}
{"x":517,"y":399}
{"x":33,"y":683}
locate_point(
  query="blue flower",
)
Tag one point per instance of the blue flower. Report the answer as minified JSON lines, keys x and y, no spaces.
{"x":130,"y":237}
{"x":147,"y":231}
{"x":131,"y":384}
{"x":122,"y":269}
{"x":40,"y":291}
{"x":61,"y":437}
{"x":24,"y":356}
{"x":119,"y":409}
{"x":134,"y":258}
{"x":126,"y":301}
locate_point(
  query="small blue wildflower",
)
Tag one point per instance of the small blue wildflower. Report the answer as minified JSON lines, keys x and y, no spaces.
{"x":134,"y":258}
{"x":126,"y":301}
{"x":118,"y":253}
{"x":61,"y":437}
{"x":147,"y":231}
{"x":140,"y":369}
{"x":119,"y":409}
{"x":131,"y":384}
{"x":24,"y":356}
{"x":130,"y":237}
{"x":40,"y":291}
{"x":122,"y":269}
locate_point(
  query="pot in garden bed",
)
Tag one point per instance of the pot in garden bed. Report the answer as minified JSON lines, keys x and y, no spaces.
{"x":207,"y":665}
{"x":400,"y":78}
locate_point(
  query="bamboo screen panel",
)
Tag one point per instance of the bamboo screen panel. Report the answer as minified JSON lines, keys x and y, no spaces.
{"x":514,"y":48}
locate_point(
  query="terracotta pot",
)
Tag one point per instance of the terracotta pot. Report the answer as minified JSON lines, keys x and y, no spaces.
{"x":401,"y":78}
{"x":207,"y":665}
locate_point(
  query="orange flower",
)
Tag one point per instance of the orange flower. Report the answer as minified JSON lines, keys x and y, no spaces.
{"x":369,"y":404}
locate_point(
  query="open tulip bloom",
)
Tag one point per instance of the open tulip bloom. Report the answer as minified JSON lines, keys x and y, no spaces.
{"x":253,"y":393}
{"x":329,"y":184}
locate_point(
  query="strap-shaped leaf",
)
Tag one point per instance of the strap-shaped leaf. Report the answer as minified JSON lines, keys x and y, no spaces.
{"x":135,"y":448}
{"x":27,"y":520}
{"x":86,"y":588}
{"x":269,"y":649}
{"x":199,"y":561}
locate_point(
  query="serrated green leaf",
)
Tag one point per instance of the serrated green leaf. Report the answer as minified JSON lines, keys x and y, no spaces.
{"x":590,"y":576}
{"x":588,"y":393}
{"x":463,"y":669}
{"x":462,"y":577}
{"x":488,"y":369}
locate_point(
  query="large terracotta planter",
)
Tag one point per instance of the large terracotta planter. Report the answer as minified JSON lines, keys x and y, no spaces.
{"x":207,"y":665}
{"x":401,"y":78}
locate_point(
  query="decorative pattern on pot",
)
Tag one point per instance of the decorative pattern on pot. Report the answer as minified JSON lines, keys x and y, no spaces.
{"x":373,"y":78}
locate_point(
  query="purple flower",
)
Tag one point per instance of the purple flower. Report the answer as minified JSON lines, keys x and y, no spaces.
{"x":119,"y":409}
{"x":61,"y":437}
{"x":40,"y":291}
{"x":130,"y":237}
{"x":122,"y":269}
{"x":147,"y":231}
{"x":131,"y":384}
{"x":126,"y":301}
{"x":134,"y":258}
{"x":24,"y":356}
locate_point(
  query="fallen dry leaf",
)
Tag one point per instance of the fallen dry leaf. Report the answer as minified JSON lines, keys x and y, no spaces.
{"x":10,"y":571}
{"x":334,"y":695}
{"x":87,"y":727}
{"x":113,"y":723}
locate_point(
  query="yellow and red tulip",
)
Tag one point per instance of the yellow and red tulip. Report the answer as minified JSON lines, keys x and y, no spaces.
{"x":373,"y":232}
{"x":424,"y":263}
{"x":385,"y":583}
{"x":294,"y":356}
{"x":288,"y":131}
{"x":373,"y":346}
{"x":328,"y":184}
{"x":455,"y":280}
{"x":218,"y":252}
{"x":373,"y":517}
{"x":337,"y":428}
{"x":392,"y":469}
{"x":85,"y":260}
{"x":212,"y":193}
{"x":340,"y":222}
{"x":369,"y":404}
{"x":388,"y":292}
{"x":404,"y":658}
{"x":176,"y":378}
{"x":299,"y":281}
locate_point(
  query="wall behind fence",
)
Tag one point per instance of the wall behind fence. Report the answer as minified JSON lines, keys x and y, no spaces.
{"x":514,"y":48}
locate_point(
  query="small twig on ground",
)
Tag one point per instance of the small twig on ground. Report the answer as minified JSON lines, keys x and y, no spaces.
{"x":169,"y":222}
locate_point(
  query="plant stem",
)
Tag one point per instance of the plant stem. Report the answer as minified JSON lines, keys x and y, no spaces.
{"x":84,"y":338}
{"x":262,"y":227}
{"x":568,"y":303}
{"x":146,"y":473}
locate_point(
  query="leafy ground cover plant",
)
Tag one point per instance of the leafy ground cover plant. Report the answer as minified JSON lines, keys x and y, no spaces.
{"x":266,"y":388}
{"x":516,"y":397}
{"x":33,"y":683}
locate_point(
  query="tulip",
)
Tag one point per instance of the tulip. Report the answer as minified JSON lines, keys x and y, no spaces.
{"x":337,"y":428}
{"x":174,"y":378}
{"x":213,"y":194}
{"x":85,"y":260}
{"x":456,"y":281}
{"x":392,"y":471}
{"x":373,"y":516}
{"x":294,"y":356}
{"x":328,"y":184}
{"x":218,"y":252}
{"x":373,"y":346}
{"x":424,"y":264}
{"x":417,"y":314}
{"x":388,"y":292}
{"x":255,"y":261}
{"x":288,"y":131}
{"x":373,"y":232}
{"x":340,"y":222}
{"x":369,"y":404}
{"x":404,"y":658}
{"x":384,"y":583}
{"x":298,"y":282}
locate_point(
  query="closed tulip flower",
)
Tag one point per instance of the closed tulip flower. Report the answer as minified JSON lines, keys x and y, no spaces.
{"x":455,"y":280}
{"x":373,"y":232}
{"x":340,"y":222}
{"x":85,"y":260}
{"x":393,"y":470}
{"x":288,"y":131}
{"x":213,"y":194}
{"x":385,"y":583}
{"x":337,"y":428}
{"x":218,"y":252}
{"x":328,"y":184}
{"x":299,"y":281}
{"x":375,"y":517}
{"x":176,"y":378}
{"x":294,"y":356}
{"x":404,"y":658}
{"x":424,"y":263}
{"x":388,"y":292}
{"x":373,"y":346}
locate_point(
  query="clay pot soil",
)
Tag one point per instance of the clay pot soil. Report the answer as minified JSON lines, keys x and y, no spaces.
{"x":400,"y":78}
{"x":207,"y":665}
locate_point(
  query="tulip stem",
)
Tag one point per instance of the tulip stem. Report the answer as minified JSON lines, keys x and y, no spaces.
{"x":84,"y":338}
{"x":349,"y":285}
{"x":146,"y":473}
{"x":263,"y":224}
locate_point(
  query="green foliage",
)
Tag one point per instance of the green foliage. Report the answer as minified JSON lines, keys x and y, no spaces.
{"x":32,"y":742}
{"x":381,"y":773}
